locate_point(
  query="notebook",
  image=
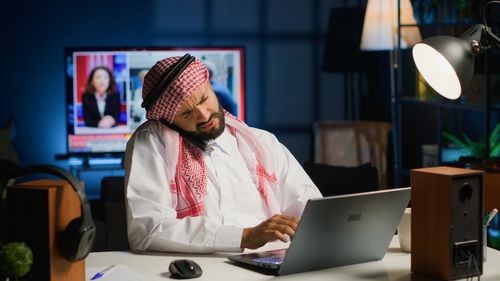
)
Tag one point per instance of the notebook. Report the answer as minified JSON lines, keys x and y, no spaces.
{"x":335,"y":231}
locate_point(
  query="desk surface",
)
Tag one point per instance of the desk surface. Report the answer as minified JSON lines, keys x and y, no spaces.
{"x":395,"y":266}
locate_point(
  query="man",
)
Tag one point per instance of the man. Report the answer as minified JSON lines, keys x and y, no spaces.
{"x":198,"y":179}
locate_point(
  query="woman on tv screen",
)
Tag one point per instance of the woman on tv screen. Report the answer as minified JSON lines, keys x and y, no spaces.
{"x":101,"y":102}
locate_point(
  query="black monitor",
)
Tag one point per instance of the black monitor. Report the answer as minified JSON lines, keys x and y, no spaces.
{"x":127,"y":65}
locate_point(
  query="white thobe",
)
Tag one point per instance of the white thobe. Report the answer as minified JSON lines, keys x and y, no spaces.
{"x":232,"y":201}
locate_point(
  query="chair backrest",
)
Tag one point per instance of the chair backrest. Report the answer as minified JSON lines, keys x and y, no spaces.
{"x":339,"y":180}
{"x":113,"y":204}
{"x":113,"y":189}
{"x":352,"y":143}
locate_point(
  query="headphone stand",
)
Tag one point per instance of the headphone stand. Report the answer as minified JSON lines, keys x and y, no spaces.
{"x":38,"y":211}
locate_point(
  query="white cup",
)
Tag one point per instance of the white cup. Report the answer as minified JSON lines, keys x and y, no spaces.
{"x":404,"y":231}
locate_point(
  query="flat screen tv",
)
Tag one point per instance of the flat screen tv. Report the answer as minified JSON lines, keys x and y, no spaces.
{"x":88,"y":134}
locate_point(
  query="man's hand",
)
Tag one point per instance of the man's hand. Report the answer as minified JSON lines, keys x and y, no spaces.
{"x":274,"y":228}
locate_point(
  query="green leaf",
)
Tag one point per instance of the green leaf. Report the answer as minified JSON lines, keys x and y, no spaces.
{"x":475,"y":149}
{"x":494,"y":137}
{"x":455,"y":140}
{"x":495,"y":151}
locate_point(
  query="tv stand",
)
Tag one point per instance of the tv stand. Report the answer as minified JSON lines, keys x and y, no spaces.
{"x":79,"y":163}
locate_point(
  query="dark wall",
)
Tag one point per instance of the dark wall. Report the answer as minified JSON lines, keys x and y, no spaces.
{"x":286,"y":90}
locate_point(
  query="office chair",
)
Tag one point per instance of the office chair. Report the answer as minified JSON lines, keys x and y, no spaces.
{"x":110,"y":209}
{"x":353,"y":143}
{"x":339,"y":180}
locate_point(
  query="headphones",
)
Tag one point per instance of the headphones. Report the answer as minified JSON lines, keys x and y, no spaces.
{"x":76,"y":240}
{"x":161,"y":86}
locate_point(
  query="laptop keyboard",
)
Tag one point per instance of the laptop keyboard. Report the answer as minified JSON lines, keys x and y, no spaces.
{"x":270,"y":259}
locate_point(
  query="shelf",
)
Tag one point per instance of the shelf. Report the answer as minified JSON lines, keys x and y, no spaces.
{"x":432,"y":113}
{"x":449,"y":104}
{"x":441,"y":24}
{"x":446,"y":104}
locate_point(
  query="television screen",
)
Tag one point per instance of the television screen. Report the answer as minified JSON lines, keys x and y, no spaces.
{"x":104,"y":91}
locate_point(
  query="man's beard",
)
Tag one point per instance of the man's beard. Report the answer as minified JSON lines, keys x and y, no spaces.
{"x":214,"y":132}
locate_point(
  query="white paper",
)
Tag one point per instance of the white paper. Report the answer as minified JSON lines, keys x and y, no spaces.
{"x":119,"y":273}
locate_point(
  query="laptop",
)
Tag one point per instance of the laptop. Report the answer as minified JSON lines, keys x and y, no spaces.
{"x":336,"y":231}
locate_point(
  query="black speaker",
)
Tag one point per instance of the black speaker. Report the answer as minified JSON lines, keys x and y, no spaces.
{"x":447,"y":222}
{"x":76,"y":240}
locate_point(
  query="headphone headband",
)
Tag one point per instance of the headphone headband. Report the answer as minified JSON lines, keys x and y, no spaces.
{"x":55,"y":171}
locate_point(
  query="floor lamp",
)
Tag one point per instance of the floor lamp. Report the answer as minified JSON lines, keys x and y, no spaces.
{"x":342,"y":54}
{"x":381,"y":30}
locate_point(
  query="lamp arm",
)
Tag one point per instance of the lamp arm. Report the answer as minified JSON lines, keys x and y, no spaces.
{"x":492,"y":38}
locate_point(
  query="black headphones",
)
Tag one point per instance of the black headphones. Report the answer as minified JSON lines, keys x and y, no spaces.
{"x":162,"y":85}
{"x":76,"y":240}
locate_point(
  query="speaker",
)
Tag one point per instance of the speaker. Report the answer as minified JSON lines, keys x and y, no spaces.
{"x":76,"y":240}
{"x":446,"y":224}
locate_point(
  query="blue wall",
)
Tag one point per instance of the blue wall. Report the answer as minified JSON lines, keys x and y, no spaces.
{"x":286,"y":91}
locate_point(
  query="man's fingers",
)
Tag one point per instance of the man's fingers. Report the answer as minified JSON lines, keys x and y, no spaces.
{"x":282,"y":228}
{"x":284,"y":217}
{"x":291,"y":221}
{"x":285,"y":229}
{"x":283,"y":223}
{"x":278,"y":227}
{"x":281,"y":236}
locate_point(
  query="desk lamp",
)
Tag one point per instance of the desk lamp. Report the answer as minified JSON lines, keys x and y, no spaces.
{"x":447,"y":62}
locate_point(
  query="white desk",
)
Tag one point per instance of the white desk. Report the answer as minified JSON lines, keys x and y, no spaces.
{"x":394,"y":267}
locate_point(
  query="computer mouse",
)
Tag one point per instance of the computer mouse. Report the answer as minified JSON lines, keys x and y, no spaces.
{"x":184,"y":269}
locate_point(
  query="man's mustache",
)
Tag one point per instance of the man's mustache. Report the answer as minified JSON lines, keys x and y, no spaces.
{"x":212,"y":116}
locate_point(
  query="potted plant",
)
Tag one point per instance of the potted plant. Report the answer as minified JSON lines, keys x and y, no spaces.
{"x":16,"y":259}
{"x":476,"y":149}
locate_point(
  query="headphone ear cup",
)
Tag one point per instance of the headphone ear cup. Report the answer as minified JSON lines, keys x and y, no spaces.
{"x":76,"y":241}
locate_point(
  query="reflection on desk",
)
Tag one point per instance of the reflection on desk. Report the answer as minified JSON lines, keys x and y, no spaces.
{"x":394,"y":267}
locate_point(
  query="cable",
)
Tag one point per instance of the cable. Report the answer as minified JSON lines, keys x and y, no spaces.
{"x":469,"y":261}
{"x":484,"y":10}
{"x":478,"y":273}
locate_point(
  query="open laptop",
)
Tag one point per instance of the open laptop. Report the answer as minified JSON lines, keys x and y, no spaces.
{"x":337,"y":230}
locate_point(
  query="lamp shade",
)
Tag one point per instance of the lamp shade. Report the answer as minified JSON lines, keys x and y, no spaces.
{"x":343,"y":36}
{"x":446,"y":63}
{"x":380,"y":27}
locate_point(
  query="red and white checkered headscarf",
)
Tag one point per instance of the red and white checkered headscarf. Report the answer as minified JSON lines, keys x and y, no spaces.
{"x":190,"y":80}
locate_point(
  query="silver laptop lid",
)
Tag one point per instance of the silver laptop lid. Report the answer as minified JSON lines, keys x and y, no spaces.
{"x":345,"y":229}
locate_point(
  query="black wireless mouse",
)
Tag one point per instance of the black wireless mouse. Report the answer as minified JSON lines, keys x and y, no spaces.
{"x":184,"y":269}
